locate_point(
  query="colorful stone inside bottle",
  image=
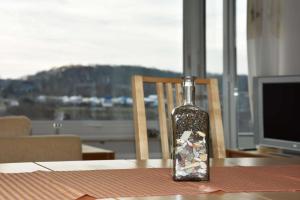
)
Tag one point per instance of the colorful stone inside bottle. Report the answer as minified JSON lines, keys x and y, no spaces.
{"x":191,"y":156}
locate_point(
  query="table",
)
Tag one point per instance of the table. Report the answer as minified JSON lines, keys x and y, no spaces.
{"x":96,"y":153}
{"x":128,"y":164}
{"x":259,"y":152}
{"x":21,"y":167}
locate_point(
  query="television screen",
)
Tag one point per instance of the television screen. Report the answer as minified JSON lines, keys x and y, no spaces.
{"x":281,"y":111}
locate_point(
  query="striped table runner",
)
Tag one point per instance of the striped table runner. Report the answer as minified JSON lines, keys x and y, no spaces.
{"x":34,"y":185}
{"x":144,"y":182}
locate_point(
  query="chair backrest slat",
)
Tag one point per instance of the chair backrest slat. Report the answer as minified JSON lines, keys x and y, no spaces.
{"x":179,"y":98}
{"x":170,"y":105}
{"x":139,"y":118}
{"x":162,"y":121}
{"x":170,"y":96}
{"x":215,"y":116}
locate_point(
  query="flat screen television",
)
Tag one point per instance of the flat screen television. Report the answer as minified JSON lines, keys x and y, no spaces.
{"x":277,"y":112}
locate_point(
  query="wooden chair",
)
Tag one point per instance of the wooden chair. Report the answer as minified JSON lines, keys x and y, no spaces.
{"x":139,"y":113}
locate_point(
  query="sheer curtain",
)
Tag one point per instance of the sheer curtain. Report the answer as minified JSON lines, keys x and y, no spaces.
{"x":263,"y":36}
{"x":273,"y":30}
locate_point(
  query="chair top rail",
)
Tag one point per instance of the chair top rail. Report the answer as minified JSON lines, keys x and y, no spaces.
{"x":150,"y":79}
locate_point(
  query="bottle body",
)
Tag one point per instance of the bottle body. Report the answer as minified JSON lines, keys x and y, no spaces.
{"x":190,"y":143}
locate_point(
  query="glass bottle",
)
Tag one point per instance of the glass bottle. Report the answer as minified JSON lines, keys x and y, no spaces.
{"x":190,"y":138}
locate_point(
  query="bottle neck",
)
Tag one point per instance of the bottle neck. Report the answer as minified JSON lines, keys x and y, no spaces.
{"x":189,"y":95}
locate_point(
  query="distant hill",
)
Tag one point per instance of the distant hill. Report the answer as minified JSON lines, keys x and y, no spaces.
{"x":97,"y":80}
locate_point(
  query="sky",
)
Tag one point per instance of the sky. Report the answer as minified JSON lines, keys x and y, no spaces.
{"x":38,"y":35}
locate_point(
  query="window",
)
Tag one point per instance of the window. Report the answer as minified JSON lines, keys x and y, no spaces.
{"x":240,"y":108}
{"x":214,"y":37}
{"x":214,"y":41}
{"x":67,"y":64}
{"x":244,"y":122}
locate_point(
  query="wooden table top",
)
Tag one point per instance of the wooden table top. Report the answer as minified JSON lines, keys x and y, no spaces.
{"x":157,"y":163}
{"x":91,"y":149}
{"x":20,"y":167}
{"x":95,"y":153}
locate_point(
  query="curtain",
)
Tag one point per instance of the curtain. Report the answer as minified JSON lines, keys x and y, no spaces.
{"x":263,"y":40}
{"x":273,"y":42}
